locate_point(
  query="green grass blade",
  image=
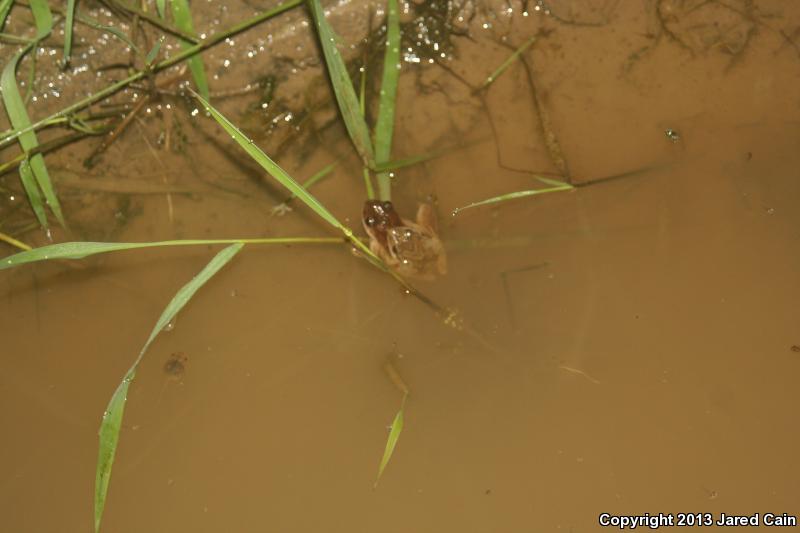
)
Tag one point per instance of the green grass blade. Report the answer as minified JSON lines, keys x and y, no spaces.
{"x":362,"y":107}
{"x":343,"y":86}
{"x":79,"y":250}
{"x":68,"y":25}
{"x":183,"y":20}
{"x":153,"y":53}
{"x":5,"y":9}
{"x":368,"y":184}
{"x":32,"y":191}
{"x":18,"y":116}
{"x":362,"y":91}
{"x":112,"y":418}
{"x":391,"y":441}
{"x":109,"y":437}
{"x":271,"y":167}
{"x":384,"y":128}
{"x":502,"y":68}
{"x":42,"y":17}
{"x":161,"y":7}
{"x":556,"y":187}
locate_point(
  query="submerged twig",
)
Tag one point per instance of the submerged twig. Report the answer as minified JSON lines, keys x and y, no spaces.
{"x":546,"y":125}
{"x":92,"y":159}
{"x":43,"y":148}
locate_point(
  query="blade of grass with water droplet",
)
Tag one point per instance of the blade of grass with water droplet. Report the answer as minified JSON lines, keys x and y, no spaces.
{"x":112,"y":418}
{"x":68,"y":26}
{"x":79,"y":250}
{"x":391,"y":441}
{"x":557,"y":186}
{"x":343,"y":86}
{"x":183,"y":20}
{"x":18,"y":116}
{"x":384,"y":127}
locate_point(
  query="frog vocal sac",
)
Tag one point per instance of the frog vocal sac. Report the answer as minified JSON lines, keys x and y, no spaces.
{"x":412,"y":249}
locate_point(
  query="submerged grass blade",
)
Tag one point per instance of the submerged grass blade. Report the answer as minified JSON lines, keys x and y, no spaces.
{"x":406,"y":162}
{"x":343,"y":86}
{"x":13,"y":242}
{"x":556,"y":187}
{"x":68,"y":25}
{"x":502,"y":68}
{"x":318,"y":176}
{"x":79,"y":250}
{"x":310,"y":182}
{"x":183,"y":20}
{"x":391,"y":441}
{"x":384,"y":128}
{"x":18,"y":116}
{"x":112,"y":418}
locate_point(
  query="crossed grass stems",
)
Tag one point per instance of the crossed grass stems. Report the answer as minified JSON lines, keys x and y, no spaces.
{"x":375,"y":156}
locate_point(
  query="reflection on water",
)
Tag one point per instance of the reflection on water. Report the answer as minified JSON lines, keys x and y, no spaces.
{"x":632,"y":346}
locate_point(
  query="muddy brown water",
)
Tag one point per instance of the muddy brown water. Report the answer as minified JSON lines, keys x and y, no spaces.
{"x":634,"y":341}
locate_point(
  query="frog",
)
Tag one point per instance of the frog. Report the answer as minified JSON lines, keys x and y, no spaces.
{"x":410,"y":248}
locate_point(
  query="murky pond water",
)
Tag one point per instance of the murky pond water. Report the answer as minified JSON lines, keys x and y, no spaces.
{"x":628,"y":347}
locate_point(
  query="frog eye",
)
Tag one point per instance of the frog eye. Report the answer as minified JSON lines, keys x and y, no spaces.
{"x":370,"y":221}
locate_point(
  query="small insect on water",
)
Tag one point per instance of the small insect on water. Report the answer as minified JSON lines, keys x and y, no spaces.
{"x":412,"y":249}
